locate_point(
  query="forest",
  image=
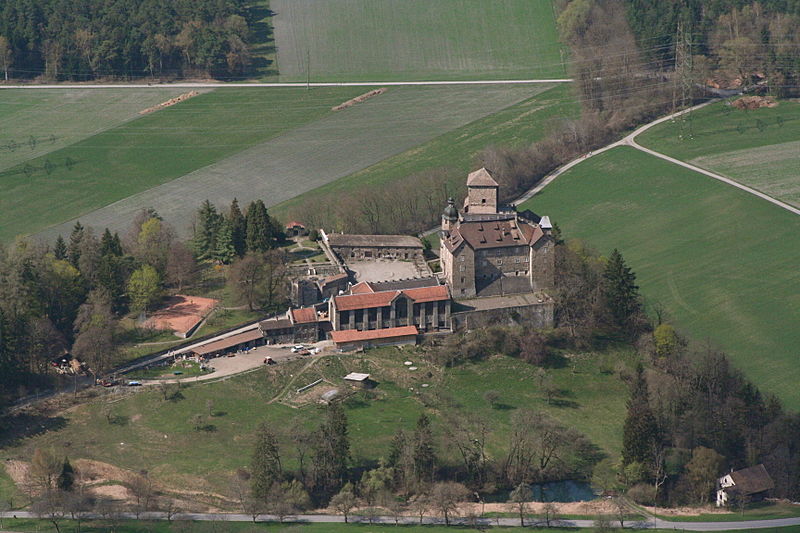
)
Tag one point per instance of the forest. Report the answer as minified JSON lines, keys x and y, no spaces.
{"x":122,"y":39}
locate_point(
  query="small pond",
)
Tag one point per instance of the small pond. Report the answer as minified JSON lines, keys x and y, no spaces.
{"x":555,"y":491}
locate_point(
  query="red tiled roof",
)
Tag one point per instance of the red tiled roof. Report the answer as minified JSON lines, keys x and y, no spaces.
{"x":304,"y":315}
{"x":229,"y":342}
{"x":353,"y":335}
{"x":361,"y":288}
{"x":363,"y":301}
{"x":428,"y":294}
{"x":294,"y":224}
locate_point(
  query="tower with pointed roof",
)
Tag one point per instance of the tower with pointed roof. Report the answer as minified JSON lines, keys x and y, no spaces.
{"x":489,"y":249}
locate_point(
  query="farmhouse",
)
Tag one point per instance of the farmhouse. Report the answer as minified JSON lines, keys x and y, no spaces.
{"x":489,"y":250}
{"x":751,"y":483}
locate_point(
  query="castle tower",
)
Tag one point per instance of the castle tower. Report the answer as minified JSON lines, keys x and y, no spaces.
{"x":450,"y":215}
{"x":482,"y":193}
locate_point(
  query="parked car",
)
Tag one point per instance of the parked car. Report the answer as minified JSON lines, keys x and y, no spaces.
{"x":134,"y":384}
{"x":304,"y":352}
{"x":269,"y":361}
{"x":109,"y":382}
{"x":298,"y":348}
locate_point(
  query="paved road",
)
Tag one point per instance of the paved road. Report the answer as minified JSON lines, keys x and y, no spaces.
{"x":190,"y":85}
{"x":630,"y":140}
{"x":326,"y":518}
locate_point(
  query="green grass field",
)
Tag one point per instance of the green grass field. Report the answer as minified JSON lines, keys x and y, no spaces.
{"x":158,"y":435}
{"x":514,"y":126}
{"x":250,"y":143}
{"x":42,"y":121}
{"x":152,"y":150}
{"x":722,"y":262}
{"x":760,"y":148}
{"x":754,"y":511}
{"x":386,"y":40}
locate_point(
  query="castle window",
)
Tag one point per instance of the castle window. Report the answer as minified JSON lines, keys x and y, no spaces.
{"x":462,"y":268}
{"x":517,"y":260}
{"x":499,"y":262}
{"x":526,"y":259}
{"x":461,"y":258}
{"x":483,"y":200}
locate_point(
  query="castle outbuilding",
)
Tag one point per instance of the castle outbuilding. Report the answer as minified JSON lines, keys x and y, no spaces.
{"x":489,"y":249}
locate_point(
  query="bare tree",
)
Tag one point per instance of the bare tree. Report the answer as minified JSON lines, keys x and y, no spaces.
{"x":50,"y":506}
{"x":446,"y":496}
{"x":550,"y":514}
{"x":181,"y":267}
{"x":344,"y":501}
{"x":141,"y":487}
{"x":521,"y":496}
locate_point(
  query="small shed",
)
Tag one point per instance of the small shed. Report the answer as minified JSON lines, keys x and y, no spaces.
{"x":295,"y":229}
{"x":752,"y":483}
{"x":357,"y":379}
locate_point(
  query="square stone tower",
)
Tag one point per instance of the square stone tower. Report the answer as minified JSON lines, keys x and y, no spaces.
{"x":482,"y":193}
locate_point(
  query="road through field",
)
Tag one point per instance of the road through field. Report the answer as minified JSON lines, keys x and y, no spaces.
{"x":630,"y":140}
{"x":314,"y":154}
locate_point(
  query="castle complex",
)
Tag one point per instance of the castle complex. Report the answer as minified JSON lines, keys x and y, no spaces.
{"x":497,"y":266}
{"x":489,"y":250}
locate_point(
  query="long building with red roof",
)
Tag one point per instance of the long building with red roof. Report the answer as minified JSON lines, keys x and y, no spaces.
{"x":369,"y":306}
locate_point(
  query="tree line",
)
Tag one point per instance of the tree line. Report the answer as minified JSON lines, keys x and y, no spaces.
{"x":70,"y":297}
{"x":122,"y":38}
{"x":730,"y":39}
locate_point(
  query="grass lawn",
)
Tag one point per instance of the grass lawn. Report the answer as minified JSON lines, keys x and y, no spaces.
{"x":519,"y":124}
{"x":42,"y":121}
{"x":276,"y":144}
{"x":758,"y":148}
{"x":721,"y":262}
{"x":187,"y":370}
{"x":157,"y":435}
{"x":386,"y":40}
{"x":151,"y":150}
{"x":754,"y":511}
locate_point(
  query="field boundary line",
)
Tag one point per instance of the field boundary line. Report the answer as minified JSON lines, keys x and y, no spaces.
{"x":190,"y":85}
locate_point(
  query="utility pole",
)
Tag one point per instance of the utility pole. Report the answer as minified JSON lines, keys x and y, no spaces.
{"x":308,"y":69}
{"x":683,"y":81}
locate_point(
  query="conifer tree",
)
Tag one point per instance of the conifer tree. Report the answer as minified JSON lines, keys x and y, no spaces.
{"x":224,"y":252}
{"x":74,"y":249}
{"x":67,"y":477}
{"x":265,"y":463}
{"x":620,"y":291}
{"x":331,"y":451}
{"x":640,"y":433}
{"x":110,"y":244}
{"x":259,"y":228}
{"x":423,"y":453}
{"x":60,"y":249}
{"x":207,"y":231}
{"x":238,"y":228}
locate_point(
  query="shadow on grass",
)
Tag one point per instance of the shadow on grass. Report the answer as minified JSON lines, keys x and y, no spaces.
{"x":23,"y":426}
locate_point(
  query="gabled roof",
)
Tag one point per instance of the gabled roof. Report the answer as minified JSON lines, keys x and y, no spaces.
{"x":294,"y":224}
{"x":348,"y":302}
{"x":365,"y":300}
{"x":353,"y":335}
{"x":428,"y":294}
{"x":361,"y":288}
{"x":332,"y":279}
{"x":273,"y":324}
{"x":304,"y":315}
{"x":752,"y":480}
{"x":380,"y":241}
{"x":481,"y":178}
{"x":229,"y":342}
